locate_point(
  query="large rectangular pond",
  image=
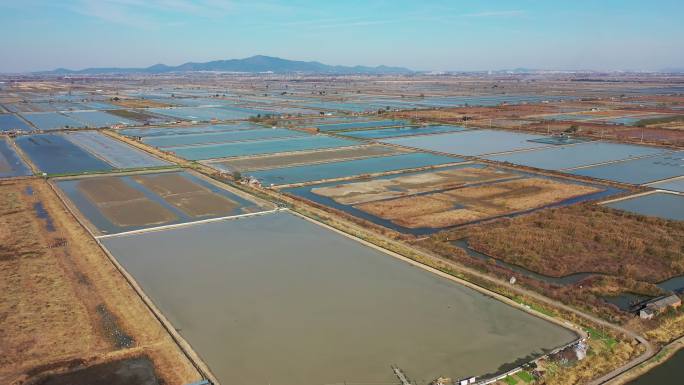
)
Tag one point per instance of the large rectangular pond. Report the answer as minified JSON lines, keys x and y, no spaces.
{"x":262,"y":308}
{"x":577,"y":155}
{"x":472,"y":143}
{"x":221,"y":137}
{"x":309,"y":173}
{"x":638,"y":171}
{"x":11,"y":163}
{"x":401,"y":131}
{"x":268,"y":146}
{"x":54,"y":154}
{"x":662,"y":205}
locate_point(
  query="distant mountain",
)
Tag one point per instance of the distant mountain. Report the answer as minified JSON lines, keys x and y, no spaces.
{"x":254,"y":64}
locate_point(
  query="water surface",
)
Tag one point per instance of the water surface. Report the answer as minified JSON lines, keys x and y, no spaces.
{"x":261,"y":308}
{"x":661,"y":205}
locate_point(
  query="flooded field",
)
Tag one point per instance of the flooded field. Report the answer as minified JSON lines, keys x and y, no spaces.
{"x":333,"y":170}
{"x":472,"y":143}
{"x":114,"y":204}
{"x":252,"y":315}
{"x":54,"y":154}
{"x":11,"y":122}
{"x":267,"y":146}
{"x":303,"y":157}
{"x":116,"y":153}
{"x":221,"y":137}
{"x":400,"y":131}
{"x":10,"y":162}
{"x":562,"y":157}
{"x":425,"y":202}
{"x":638,"y":171}
{"x":662,"y":205}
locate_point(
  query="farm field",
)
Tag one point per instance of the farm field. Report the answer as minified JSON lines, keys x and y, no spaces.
{"x":114,"y":204}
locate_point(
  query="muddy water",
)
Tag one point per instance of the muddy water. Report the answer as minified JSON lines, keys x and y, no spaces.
{"x":278,"y":300}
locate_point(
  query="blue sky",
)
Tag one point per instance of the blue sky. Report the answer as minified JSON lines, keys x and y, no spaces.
{"x":424,"y":35}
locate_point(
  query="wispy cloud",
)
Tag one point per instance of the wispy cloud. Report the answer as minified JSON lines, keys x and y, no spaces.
{"x":511,"y":13}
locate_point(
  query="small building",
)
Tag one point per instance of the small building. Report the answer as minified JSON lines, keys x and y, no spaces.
{"x":646,"y":313}
{"x":660,"y":305}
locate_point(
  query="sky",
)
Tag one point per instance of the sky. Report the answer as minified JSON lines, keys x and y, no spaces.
{"x":431,"y":35}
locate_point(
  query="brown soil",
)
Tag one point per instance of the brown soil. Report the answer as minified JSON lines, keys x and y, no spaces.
{"x":582,"y":238}
{"x":61,"y":299}
{"x":202,"y":203}
{"x":191,"y":198}
{"x":128,"y":114}
{"x":108,"y":189}
{"x":168,"y":183}
{"x":139,"y":212}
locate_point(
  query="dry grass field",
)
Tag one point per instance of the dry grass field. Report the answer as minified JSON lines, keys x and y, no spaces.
{"x":62,"y":302}
{"x":467,"y":204}
{"x":581,"y":238}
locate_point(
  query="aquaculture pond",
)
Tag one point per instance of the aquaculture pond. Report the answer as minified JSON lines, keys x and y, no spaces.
{"x":11,"y":122}
{"x":401,"y":131}
{"x":260,"y":308}
{"x":373,"y":190}
{"x":207,"y":113}
{"x":114,"y":204}
{"x":96,"y":119}
{"x":11,"y":164}
{"x":472,"y":143}
{"x":189,"y":130}
{"x":267,"y":146}
{"x":332,"y":170}
{"x":584,"y":154}
{"x":358,"y":125}
{"x":116,"y":153}
{"x":672,"y":185}
{"x":638,"y":171}
{"x":54,"y":154}
{"x":221,"y":137}
{"x":52,"y":120}
{"x":662,"y":205}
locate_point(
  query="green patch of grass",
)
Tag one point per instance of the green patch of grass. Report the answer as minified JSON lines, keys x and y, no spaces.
{"x":510,"y":380}
{"x":609,"y":341}
{"x":526,"y":376}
